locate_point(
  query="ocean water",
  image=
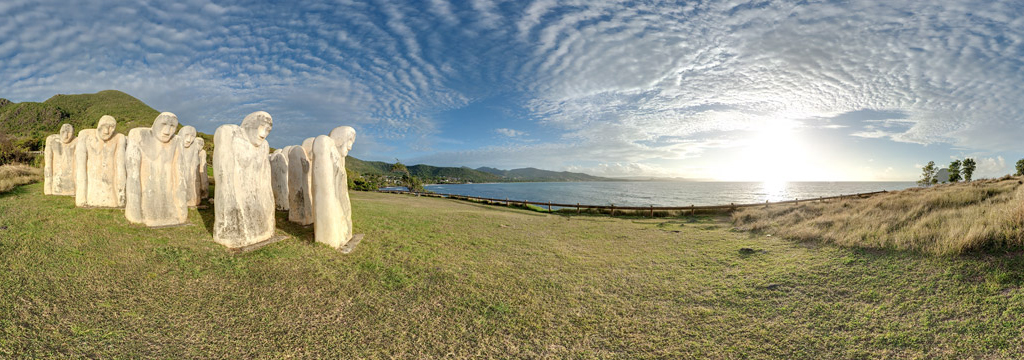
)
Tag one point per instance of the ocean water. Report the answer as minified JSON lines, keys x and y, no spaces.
{"x":664,"y":193}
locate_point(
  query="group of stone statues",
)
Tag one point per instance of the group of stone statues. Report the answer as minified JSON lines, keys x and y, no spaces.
{"x":309,"y":181}
{"x":156,"y":175}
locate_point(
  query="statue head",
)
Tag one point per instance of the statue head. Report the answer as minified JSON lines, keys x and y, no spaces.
{"x":67,"y":133}
{"x":164,"y":126}
{"x":188,"y":135}
{"x":105,"y":127}
{"x":344,"y":137}
{"x":257,"y":126}
{"x":307,"y":145}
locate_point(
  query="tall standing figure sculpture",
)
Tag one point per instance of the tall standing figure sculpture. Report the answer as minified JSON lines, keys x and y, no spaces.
{"x":300,"y":200}
{"x":59,"y":162}
{"x":332,"y":224}
{"x":155,"y":190}
{"x":204,"y":178}
{"x":193,"y":167}
{"x":279,"y":178}
{"x":100,"y":173}
{"x":243,"y":198}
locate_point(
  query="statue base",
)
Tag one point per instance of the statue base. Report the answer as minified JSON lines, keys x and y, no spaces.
{"x":248,"y":248}
{"x":351,"y":244}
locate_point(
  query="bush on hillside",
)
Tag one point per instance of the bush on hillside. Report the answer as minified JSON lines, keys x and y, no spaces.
{"x":11,"y":151}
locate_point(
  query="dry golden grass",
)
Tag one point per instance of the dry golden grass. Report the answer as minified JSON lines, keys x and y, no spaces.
{"x":942,"y":220}
{"x":14,"y":175}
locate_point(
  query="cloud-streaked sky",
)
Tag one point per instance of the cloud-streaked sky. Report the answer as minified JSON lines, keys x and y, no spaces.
{"x":813,"y":90}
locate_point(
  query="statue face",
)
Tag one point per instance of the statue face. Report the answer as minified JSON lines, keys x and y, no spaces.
{"x":344,"y":137}
{"x":164,"y":126}
{"x":345,"y":147}
{"x":66,"y":133}
{"x":257,"y":126}
{"x":105,"y":129}
{"x":264,"y":130}
{"x":188,"y":135}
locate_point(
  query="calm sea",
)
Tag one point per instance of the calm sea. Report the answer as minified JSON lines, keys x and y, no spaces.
{"x":664,"y":193}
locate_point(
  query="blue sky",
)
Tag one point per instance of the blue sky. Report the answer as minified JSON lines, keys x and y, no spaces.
{"x":733,"y":90}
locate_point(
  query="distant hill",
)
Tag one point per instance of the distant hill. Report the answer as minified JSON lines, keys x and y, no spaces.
{"x":533,"y":174}
{"x":35,"y":120}
{"x":426,"y":172}
{"x":465,"y":174}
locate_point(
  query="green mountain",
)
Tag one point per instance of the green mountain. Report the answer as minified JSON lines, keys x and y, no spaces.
{"x":426,"y":172}
{"x":534,"y":174}
{"x":463,"y":174}
{"x":36,"y":120}
{"x":32,"y":122}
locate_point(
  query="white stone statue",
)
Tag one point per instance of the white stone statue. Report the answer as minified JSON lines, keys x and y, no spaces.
{"x":100,"y":166}
{"x":193,"y":160}
{"x":300,"y":201}
{"x":204,"y":178}
{"x":333,"y":211}
{"x":155,"y":190}
{"x":308,"y":146}
{"x":279,"y":178}
{"x":243,"y":197}
{"x":59,"y":162}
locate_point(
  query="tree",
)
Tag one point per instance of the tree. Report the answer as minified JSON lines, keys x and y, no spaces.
{"x":927,"y":174}
{"x":968,"y":168}
{"x":399,"y":167}
{"x":413,"y":183}
{"x":954,"y":171}
{"x":1020,"y":167}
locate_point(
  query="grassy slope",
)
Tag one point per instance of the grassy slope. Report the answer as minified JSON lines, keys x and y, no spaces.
{"x":14,"y":175}
{"x":85,"y":110}
{"x":946,"y":219}
{"x":436,"y":277}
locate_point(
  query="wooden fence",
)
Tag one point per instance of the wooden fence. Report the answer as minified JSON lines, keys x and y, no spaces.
{"x":640,"y":209}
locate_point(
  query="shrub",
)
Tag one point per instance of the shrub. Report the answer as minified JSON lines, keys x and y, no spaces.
{"x":11,"y":152}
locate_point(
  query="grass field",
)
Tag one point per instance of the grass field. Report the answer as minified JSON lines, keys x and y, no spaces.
{"x":439,"y":278}
{"x":983,"y":215}
{"x":14,"y":175}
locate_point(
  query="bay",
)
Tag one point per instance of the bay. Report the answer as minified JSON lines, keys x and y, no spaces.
{"x":664,"y":193}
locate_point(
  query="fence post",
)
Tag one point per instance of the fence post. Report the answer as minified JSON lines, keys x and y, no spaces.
{"x":577,"y":208}
{"x":766,"y":204}
{"x":613,"y":209}
{"x":652,"y":211}
{"x":507,"y":204}
{"x":796,"y":201}
{"x":693,"y":211}
{"x":549,"y":206}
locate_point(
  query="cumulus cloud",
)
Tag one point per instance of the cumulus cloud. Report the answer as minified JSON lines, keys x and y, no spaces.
{"x":510,"y":132}
{"x":992,"y":167}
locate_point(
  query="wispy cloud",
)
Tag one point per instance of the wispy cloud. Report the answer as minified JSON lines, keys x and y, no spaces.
{"x":602,"y":80}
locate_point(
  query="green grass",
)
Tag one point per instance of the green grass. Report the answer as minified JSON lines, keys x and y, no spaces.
{"x":440,"y":278}
{"x":983,"y":215}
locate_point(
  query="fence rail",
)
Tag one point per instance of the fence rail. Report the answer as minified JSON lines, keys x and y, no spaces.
{"x":693,"y":209}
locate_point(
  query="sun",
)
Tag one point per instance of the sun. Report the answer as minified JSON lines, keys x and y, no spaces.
{"x":774,"y":153}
